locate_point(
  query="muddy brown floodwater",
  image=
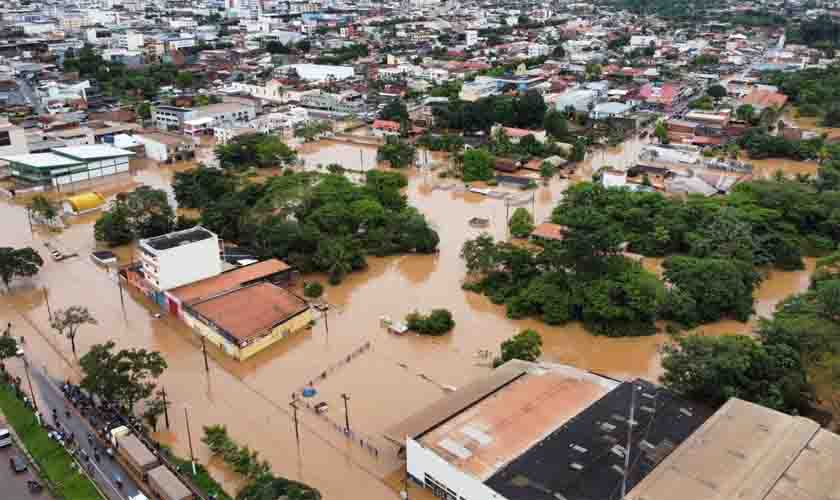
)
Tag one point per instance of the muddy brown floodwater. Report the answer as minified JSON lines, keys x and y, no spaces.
{"x":394,"y":377}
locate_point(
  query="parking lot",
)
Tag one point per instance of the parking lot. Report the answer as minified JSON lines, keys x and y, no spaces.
{"x":14,"y":485}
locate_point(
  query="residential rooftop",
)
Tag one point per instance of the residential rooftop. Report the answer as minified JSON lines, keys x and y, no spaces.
{"x":250,"y":312}
{"x":228,"y":280}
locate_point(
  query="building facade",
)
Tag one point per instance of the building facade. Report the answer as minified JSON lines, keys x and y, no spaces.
{"x":179,"y":258}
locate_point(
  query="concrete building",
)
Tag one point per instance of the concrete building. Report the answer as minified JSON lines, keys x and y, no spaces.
{"x":321,"y":72}
{"x":12,"y":139}
{"x":128,"y":41}
{"x":480,"y":88}
{"x":244,"y":310}
{"x":68,"y":165}
{"x":171,"y":117}
{"x":472,"y":37}
{"x":578,"y":99}
{"x":543,"y":431}
{"x":165,"y":147}
{"x":179,"y":258}
{"x":538,"y":50}
{"x":346,"y":102}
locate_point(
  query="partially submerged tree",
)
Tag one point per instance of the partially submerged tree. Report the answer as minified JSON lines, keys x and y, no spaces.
{"x":18,"y":262}
{"x":66,"y":322}
{"x":42,"y":208}
{"x":125,"y":377}
{"x":525,"y":345}
{"x":521,"y":223}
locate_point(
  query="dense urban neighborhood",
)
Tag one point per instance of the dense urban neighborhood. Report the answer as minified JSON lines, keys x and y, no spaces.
{"x":304,"y":250}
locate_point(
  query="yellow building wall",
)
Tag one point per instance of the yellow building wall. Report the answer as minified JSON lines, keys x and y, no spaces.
{"x":281,"y":331}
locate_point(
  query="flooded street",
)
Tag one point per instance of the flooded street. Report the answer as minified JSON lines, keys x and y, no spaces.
{"x":396,"y":376}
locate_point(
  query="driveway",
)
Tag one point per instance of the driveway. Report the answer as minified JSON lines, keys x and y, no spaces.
{"x":14,"y":485}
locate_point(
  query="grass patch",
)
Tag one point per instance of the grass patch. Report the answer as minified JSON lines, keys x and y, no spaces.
{"x":53,"y":460}
{"x":203,"y":481}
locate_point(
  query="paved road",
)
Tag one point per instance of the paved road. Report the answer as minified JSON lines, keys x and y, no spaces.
{"x":14,"y":485}
{"x":106,"y":469}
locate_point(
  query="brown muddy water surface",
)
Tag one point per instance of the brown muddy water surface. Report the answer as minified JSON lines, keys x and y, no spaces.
{"x":393,"y":378}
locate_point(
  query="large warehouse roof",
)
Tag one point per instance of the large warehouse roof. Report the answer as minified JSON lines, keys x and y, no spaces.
{"x":749,"y":452}
{"x":41,"y":160}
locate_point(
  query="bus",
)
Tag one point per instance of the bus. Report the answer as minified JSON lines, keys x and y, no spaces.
{"x":5,"y":438}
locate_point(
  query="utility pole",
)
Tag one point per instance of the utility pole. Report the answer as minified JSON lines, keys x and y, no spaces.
{"x":189,"y":440}
{"x":327,"y":321}
{"x":119,"y":284}
{"x":29,"y":217}
{"x":204,"y":351}
{"x":47,"y":300}
{"x":293,"y":404}
{"x":165,"y":406}
{"x":29,"y":381}
{"x":630,"y":424}
{"x":345,"y":397}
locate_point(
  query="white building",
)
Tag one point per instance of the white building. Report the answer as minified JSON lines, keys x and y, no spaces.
{"x":127,"y":41}
{"x":642,"y":41}
{"x":321,"y":72}
{"x":180,"y":258}
{"x":538,"y":50}
{"x":578,"y":99}
{"x":472,"y":37}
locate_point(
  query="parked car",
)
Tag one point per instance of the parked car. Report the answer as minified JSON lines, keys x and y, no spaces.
{"x":5,"y":438}
{"x":17,"y":464}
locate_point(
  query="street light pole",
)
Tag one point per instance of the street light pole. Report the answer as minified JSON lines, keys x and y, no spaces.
{"x":165,"y":407}
{"x":29,"y":381}
{"x":189,"y":440}
{"x":293,"y":404}
{"x":345,"y":397}
{"x":204,"y":351}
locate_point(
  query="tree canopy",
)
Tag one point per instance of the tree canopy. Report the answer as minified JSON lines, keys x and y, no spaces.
{"x":18,"y":262}
{"x":437,"y":322}
{"x":254,"y":150}
{"x":316,"y":222}
{"x":124,"y":377}
{"x":142,"y":213}
{"x":525,"y":345}
{"x":478,"y":165}
{"x":66,"y":322}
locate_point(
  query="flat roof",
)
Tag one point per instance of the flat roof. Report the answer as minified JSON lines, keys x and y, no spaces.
{"x":178,"y":238}
{"x":419,"y":423}
{"x":92,"y":152}
{"x":170,"y":486}
{"x":139,"y":454}
{"x":228,"y":280}
{"x":583,"y":459}
{"x":749,"y":452}
{"x":488,"y":435}
{"x":42,"y":160}
{"x":249,"y":312}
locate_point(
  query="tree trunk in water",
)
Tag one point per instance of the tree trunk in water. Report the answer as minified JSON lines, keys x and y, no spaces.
{"x":73,"y":344}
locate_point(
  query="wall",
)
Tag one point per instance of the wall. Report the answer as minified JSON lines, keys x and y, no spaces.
{"x":281,"y":331}
{"x":188,"y":263}
{"x":91,"y":170}
{"x":420,"y":461}
{"x":154,"y":149}
{"x":204,"y":330}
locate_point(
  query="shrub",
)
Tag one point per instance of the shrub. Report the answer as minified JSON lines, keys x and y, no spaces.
{"x":313,"y":290}
{"x":438,"y":322}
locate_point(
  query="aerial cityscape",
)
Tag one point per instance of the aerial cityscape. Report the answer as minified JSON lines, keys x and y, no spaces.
{"x":495,"y":250}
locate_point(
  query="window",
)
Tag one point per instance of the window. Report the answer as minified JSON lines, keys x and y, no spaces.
{"x":5,"y":138}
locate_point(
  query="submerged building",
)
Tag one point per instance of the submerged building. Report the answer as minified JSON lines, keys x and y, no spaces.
{"x":69,"y":165}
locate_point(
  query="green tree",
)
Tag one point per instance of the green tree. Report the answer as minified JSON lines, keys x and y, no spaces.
{"x":578,"y":151}
{"x":254,"y":150}
{"x":66,"y":322}
{"x":155,"y":407}
{"x":394,"y":111}
{"x":729,"y":293}
{"x":201,"y":186}
{"x":8,"y":347}
{"x":125,"y":377}
{"x":555,"y":124}
{"x":525,"y":345}
{"x":478,"y":165}
{"x":114,"y":227}
{"x":43,"y":208}
{"x":547,"y":170}
{"x":144,"y":110}
{"x":521,"y":223}
{"x":716,"y":92}
{"x":184,"y":80}
{"x":313,"y":290}
{"x":398,"y":153}
{"x":714,"y":369}
{"x":745,"y":112}
{"x":437,"y":322}
{"x":479,"y":254}
{"x":661,"y":132}
{"x":18,"y":262}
